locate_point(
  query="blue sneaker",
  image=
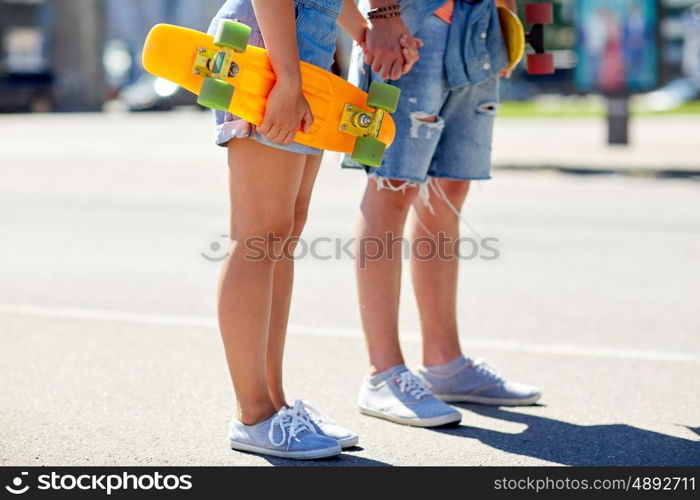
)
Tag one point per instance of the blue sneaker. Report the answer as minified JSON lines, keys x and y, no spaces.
{"x":326,"y":426}
{"x":398,"y":396}
{"x":474,"y":381}
{"x":287,"y":434}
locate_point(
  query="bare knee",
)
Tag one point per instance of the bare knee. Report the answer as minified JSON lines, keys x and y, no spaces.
{"x":451,"y":191}
{"x":264,"y":240}
{"x":388,"y":198}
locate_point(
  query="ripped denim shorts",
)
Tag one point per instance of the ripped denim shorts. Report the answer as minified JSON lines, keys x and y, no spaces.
{"x":316,"y":39}
{"x":457,"y":143}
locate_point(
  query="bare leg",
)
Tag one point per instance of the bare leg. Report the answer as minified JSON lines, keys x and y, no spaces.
{"x":282,"y":287}
{"x":382,"y":217}
{"x":435,"y":280}
{"x":264,"y":186}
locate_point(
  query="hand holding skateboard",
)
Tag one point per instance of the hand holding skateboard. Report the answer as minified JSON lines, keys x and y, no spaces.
{"x":227,"y":74}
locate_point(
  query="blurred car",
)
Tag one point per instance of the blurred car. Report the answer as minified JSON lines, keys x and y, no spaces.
{"x":26,"y":92}
{"x":26,"y":79}
{"x":150,"y":93}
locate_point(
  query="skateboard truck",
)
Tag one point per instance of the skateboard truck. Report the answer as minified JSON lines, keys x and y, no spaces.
{"x":360,"y":122}
{"x":540,"y":62}
{"x":216,"y":66}
{"x":366,"y":125}
{"x":212,"y":64}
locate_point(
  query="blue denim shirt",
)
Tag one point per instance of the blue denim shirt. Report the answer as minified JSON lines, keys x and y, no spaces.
{"x":475,"y":49}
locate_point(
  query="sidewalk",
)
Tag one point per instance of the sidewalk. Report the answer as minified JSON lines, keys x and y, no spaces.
{"x":659,"y":145}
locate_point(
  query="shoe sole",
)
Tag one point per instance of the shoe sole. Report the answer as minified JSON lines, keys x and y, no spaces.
{"x":349,"y":442}
{"x":424,"y":422}
{"x":460,"y":398}
{"x":292,"y":455}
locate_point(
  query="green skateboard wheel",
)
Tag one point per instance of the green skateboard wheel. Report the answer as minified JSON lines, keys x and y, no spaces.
{"x":368,"y":151}
{"x":233,"y":35}
{"x":216,"y":94}
{"x":383,"y":96}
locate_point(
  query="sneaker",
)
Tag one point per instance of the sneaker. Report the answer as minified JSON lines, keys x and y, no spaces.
{"x":475,"y":381}
{"x":326,"y":426}
{"x":286,"y":435}
{"x":398,"y":396}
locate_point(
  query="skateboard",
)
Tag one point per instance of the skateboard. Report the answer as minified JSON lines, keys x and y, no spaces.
{"x":539,"y":62}
{"x":230,"y":75}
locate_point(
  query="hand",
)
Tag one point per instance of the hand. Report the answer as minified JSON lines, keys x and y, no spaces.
{"x":506,"y":73}
{"x":361,"y":40}
{"x":285,"y":113}
{"x":409,"y":49}
{"x":383,"y":49}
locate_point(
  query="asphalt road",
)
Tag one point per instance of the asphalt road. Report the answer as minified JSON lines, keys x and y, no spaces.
{"x":110,"y":356}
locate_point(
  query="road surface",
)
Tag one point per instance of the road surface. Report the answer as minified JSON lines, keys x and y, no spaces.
{"x":110,"y":354}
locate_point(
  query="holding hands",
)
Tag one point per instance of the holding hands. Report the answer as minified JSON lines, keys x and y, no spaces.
{"x":389,"y":47}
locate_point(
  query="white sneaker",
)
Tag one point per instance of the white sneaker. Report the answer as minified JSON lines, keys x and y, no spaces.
{"x":398,"y":396}
{"x":287,"y":434}
{"x":464,"y":380}
{"x":326,"y":426}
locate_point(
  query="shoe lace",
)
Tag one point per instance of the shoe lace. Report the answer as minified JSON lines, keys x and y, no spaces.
{"x":409,"y":384}
{"x":314,"y":414}
{"x":291,"y":422}
{"x":484,"y":368}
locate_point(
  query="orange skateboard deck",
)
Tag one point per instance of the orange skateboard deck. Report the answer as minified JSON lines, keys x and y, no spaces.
{"x":185,"y":57}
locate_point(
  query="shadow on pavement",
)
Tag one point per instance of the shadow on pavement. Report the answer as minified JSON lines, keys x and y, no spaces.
{"x":696,"y":430}
{"x":571,"y":444}
{"x":347,"y":459}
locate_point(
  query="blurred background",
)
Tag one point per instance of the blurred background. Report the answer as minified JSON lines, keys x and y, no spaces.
{"x":114,"y":217}
{"x":76,"y":55}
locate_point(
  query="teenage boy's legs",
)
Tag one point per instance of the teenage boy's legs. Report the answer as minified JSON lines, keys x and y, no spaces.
{"x":382,"y":219}
{"x":435,"y":279}
{"x":391,"y":191}
{"x":392,"y":392}
{"x":462,"y":155}
{"x":444,"y":137}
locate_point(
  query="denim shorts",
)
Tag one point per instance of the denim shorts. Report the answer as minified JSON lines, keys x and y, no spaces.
{"x":316,"y":39}
{"x":457,"y":145}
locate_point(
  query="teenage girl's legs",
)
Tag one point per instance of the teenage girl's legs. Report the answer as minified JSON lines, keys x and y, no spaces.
{"x":264,"y":185}
{"x":282,"y":286}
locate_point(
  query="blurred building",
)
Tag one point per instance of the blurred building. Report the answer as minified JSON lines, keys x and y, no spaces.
{"x":74,"y":54}
{"x":52,"y":52}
